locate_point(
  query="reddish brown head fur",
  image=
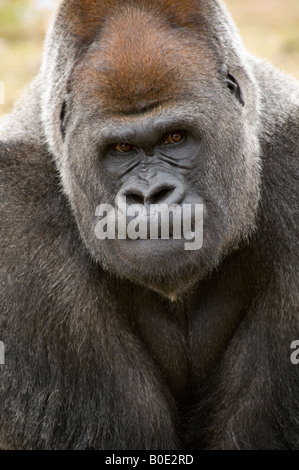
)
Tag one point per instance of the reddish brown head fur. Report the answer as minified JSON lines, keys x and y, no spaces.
{"x":136,"y":60}
{"x":85,"y":17}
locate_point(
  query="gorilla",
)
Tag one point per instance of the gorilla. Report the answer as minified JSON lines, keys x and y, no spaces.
{"x":139,"y":343}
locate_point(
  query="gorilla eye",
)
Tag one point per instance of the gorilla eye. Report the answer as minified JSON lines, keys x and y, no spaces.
{"x":174,"y":138}
{"x":123,"y":147}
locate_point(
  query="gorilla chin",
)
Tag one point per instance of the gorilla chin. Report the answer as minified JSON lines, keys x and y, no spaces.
{"x":164,"y":266}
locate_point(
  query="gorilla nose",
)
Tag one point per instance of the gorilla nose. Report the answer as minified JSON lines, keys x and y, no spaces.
{"x":158,"y":192}
{"x":155,"y":195}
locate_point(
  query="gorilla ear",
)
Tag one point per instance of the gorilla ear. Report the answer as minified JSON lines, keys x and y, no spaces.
{"x":64,"y":117}
{"x":234,"y":87}
{"x":232,"y":84}
{"x":63,"y":120}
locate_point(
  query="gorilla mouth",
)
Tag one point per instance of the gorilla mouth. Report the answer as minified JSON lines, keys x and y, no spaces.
{"x":154,"y":222}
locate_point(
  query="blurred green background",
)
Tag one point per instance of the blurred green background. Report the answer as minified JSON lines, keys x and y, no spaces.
{"x":270,"y":29}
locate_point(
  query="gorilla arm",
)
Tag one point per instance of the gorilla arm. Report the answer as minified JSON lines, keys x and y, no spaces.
{"x":54,"y":336}
{"x":253,"y":400}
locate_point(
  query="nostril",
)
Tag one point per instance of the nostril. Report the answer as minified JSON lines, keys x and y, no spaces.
{"x":135,"y":198}
{"x":156,"y":192}
{"x":159,"y":196}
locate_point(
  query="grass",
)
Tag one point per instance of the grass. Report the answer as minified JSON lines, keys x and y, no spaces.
{"x":22,"y":31}
{"x":269,"y":29}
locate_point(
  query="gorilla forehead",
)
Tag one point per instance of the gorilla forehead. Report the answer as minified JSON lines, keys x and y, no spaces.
{"x":138,"y":62}
{"x":85,"y":16}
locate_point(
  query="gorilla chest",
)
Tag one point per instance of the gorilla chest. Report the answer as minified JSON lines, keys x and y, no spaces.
{"x":163,"y":330}
{"x":186,"y":339}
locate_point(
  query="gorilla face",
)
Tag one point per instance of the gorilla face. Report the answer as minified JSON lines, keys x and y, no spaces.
{"x":154,"y":116}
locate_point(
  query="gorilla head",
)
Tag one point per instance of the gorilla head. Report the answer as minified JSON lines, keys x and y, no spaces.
{"x":151,"y":111}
